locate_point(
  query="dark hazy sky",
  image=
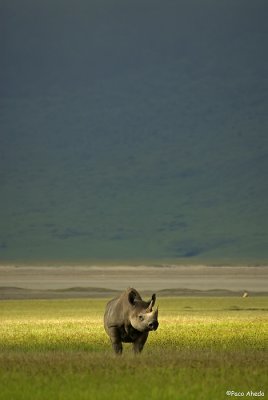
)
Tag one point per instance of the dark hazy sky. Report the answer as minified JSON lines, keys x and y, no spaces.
{"x":67,"y":45}
{"x":133,"y":129}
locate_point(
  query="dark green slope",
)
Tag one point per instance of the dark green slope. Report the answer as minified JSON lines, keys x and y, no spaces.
{"x":150,"y":145}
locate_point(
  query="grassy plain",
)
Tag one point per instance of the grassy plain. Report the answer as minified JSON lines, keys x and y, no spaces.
{"x":57,"y":349}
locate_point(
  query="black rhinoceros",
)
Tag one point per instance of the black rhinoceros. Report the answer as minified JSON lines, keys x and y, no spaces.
{"x":129,"y":319}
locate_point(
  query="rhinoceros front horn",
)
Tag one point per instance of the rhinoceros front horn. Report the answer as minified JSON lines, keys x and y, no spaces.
{"x":151,"y":304}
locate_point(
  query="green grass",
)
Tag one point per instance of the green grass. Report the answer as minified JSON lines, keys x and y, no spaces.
{"x":204,"y":346}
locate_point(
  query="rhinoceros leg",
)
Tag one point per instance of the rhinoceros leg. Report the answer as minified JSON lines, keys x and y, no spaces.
{"x":116,"y":340}
{"x":118,"y":348}
{"x":140,"y":342}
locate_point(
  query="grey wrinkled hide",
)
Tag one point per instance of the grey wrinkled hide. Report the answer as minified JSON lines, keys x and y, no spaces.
{"x":129,"y":319}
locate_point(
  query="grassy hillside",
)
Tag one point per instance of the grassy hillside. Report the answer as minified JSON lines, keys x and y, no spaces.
{"x":134,"y":132}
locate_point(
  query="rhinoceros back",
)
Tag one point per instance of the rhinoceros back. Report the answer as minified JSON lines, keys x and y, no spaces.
{"x":113,"y":314}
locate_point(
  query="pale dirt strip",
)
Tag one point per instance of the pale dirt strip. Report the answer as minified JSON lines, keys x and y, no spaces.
{"x":237,"y":278}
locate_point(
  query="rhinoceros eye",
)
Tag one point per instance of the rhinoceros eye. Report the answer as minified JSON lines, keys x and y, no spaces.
{"x":141,"y":317}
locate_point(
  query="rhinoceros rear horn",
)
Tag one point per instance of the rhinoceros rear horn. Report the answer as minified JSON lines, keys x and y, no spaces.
{"x":151,"y":304}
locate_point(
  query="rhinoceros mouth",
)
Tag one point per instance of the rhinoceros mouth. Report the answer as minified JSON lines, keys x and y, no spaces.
{"x":153,"y":326}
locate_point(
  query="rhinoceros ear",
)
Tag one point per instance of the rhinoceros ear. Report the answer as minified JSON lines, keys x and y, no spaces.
{"x":151,"y":303}
{"x":132,"y":297}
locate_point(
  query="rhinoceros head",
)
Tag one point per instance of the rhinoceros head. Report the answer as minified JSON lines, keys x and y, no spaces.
{"x":142,"y":316}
